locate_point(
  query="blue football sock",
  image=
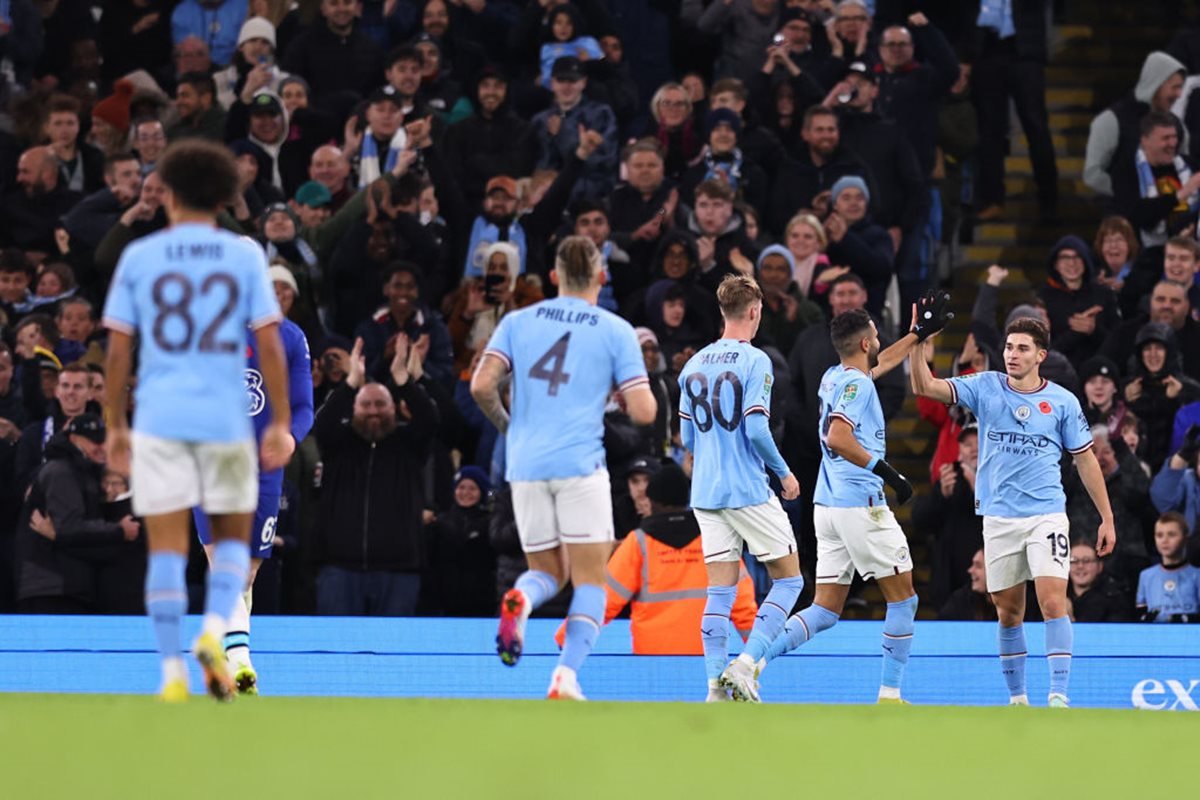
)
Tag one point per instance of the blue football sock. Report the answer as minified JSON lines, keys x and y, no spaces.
{"x":772,"y":614}
{"x":714,"y":629}
{"x":1060,"y":641}
{"x":897,"y":640}
{"x":800,"y":628}
{"x":227,"y":576}
{"x":539,"y":587}
{"x":584,"y":618}
{"x":1012,"y":659}
{"x":166,"y":600}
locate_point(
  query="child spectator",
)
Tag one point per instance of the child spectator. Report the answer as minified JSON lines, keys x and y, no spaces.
{"x":1170,"y":591}
{"x":566,"y":39}
{"x":462,"y":564}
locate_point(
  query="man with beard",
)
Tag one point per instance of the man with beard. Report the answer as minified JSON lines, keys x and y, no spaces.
{"x":374,"y":439}
{"x":821,"y":163}
{"x":335,"y":55}
{"x":87,"y":223}
{"x":1168,"y":304}
{"x":31,"y":212}
{"x":492,"y":141}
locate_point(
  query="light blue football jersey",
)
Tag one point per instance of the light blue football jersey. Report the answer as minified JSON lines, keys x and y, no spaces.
{"x":566,"y":356}
{"x":719,"y":387}
{"x":188,"y":293}
{"x":849,"y":394}
{"x":1022,"y":436}
{"x":1169,"y":591}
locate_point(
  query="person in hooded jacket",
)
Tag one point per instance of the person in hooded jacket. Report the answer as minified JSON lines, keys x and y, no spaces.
{"x":676,"y":259}
{"x":492,"y":141}
{"x":265,"y":123}
{"x":63,"y":532}
{"x":462,"y":564}
{"x":1114,"y":134}
{"x":1082,"y":311}
{"x":1156,"y":387}
{"x":679,"y":335}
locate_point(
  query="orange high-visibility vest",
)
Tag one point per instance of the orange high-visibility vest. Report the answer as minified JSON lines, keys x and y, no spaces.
{"x":667,"y":588}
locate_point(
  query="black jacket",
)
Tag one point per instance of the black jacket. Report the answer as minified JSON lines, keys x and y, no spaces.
{"x":462,"y":565}
{"x":866,"y":249}
{"x":372,"y":494}
{"x":900,"y":195}
{"x":335,"y":64}
{"x":1062,"y":303}
{"x":1107,"y":601}
{"x":957,"y":530}
{"x":29,"y":222}
{"x":67,"y":490}
{"x":628,"y":211}
{"x":1119,"y":346}
{"x":799,"y":180}
{"x":478,"y":148}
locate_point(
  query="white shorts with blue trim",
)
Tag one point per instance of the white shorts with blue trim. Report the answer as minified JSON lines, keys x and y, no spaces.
{"x":563,"y":511}
{"x":867,"y":539}
{"x":1018,"y":549}
{"x":170,"y":475}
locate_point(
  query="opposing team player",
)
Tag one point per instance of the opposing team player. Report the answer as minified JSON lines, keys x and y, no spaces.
{"x":1025,"y":423}
{"x":724,"y":411}
{"x":188,"y":294}
{"x":565,"y":355}
{"x":855,"y":528}
{"x":270,"y":485}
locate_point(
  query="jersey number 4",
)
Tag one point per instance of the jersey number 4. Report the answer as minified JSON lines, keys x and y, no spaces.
{"x":696,"y":386}
{"x":173,"y":293}
{"x":549,"y":367}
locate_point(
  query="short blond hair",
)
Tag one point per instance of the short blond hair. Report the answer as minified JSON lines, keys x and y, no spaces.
{"x":737,"y":294}
{"x":577,"y":263}
{"x":805,"y":218}
{"x":658,"y":97}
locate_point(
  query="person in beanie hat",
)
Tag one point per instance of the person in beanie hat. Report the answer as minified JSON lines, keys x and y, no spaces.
{"x":1100,"y":384}
{"x":723,"y":159}
{"x":662,"y":558}
{"x":462,"y":565}
{"x":110,"y":119}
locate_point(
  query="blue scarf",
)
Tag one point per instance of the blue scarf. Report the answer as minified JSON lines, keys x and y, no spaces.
{"x":368,"y":162}
{"x":484,"y":233}
{"x":553,"y":51}
{"x":729,"y":172}
{"x":1148,"y":188}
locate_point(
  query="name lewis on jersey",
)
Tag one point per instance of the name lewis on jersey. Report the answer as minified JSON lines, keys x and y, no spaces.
{"x":568,"y":316}
{"x":195,"y":250}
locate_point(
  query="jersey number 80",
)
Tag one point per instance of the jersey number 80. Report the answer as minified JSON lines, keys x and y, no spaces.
{"x":696,"y":387}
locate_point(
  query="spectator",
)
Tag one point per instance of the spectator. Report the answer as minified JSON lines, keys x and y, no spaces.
{"x":64,"y":531}
{"x":404,"y":66}
{"x":110,"y":120}
{"x":745,"y":29}
{"x":1117,"y":245}
{"x":719,"y":232}
{"x":440,"y":92}
{"x":758,"y":143}
{"x":591,"y":222}
{"x":188,"y":56}
{"x":642,"y":209}
{"x":335,"y":56}
{"x":722,"y":159}
{"x":793,"y":60}
{"x":560,"y":130}
{"x":1128,"y":492}
{"x":1156,"y":189}
{"x":1113,"y":137}
{"x":1169,"y":305}
{"x":674,"y":128}
{"x":405,"y":316}
{"x":566,"y":35}
{"x":911,"y":91}
{"x":1082,"y":311}
{"x":820,"y":164}
{"x":630,"y":504}
{"x":374,"y":438}
{"x":658,"y":571}
{"x":200,"y":116}
{"x":806,"y":240}
{"x":948,"y":512}
{"x":1156,"y":387}
{"x":88,"y":222}
{"x":1095,"y":595}
{"x":971,"y":601}
{"x":786,"y":311}
{"x":474,"y":310}
{"x":849,"y":32}
{"x":71,"y":398}
{"x":856,"y":241}
{"x":253,"y":65}
{"x":1011,"y":62}
{"x":492,"y":141}
{"x":679,"y":336}
{"x":312,"y":204}
{"x":149,"y":142}
{"x":214,"y":21}
{"x":330,"y":167}
{"x":80,"y":166}
{"x":31,"y":212}
{"x":16,"y":274}
{"x":1102,"y":402}
{"x":678,"y":259}
{"x":1170,"y":591}
{"x":462,"y":566}
{"x":1176,"y":487}
{"x":76,"y":321}
{"x":659,"y":434}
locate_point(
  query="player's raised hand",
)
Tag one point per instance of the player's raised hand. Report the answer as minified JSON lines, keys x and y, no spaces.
{"x":116,"y":450}
{"x":791,"y":487}
{"x":1106,"y":539}
{"x":357,"y":370}
{"x":932,"y":315}
{"x":277,"y":446}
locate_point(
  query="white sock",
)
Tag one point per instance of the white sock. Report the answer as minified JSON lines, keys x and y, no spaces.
{"x":237,"y":638}
{"x":174,"y":668}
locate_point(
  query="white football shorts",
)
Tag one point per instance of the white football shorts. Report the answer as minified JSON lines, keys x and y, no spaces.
{"x":1018,"y":549}
{"x":867,"y":539}
{"x":172,"y":475}
{"x":563,"y":511}
{"x":764,"y":529}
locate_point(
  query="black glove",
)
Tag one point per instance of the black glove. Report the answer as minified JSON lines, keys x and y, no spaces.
{"x":1149,"y":615}
{"x":1191,"y":444}
{"x":932,"y":315}
{"x":899,"y":483}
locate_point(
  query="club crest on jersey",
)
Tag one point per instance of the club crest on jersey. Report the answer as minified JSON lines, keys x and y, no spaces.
{"x":1045,"y":407}
{"x":902,"y":555}
{"x":1022,"y":412}
{"x":850,"y":392}
{"x":1169,"y":586}
{"x":256,"y":400}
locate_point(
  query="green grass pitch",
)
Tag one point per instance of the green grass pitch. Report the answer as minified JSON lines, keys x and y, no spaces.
{"x":88,"y":746}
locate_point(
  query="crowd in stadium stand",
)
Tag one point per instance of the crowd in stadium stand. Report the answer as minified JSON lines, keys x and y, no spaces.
{"x":408,"y":168}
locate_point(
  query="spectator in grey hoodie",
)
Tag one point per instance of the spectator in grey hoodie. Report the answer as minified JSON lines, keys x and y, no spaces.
{"x":745,"y":27}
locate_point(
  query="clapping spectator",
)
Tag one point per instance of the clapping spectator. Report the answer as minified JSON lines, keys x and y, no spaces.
{"x":560,"y":130}
{"x":948,"y":511}
{"x":856,"y":241}
{"x":1117,"y":246}
{"x":786,"y":311}
{"x":718,"y":230}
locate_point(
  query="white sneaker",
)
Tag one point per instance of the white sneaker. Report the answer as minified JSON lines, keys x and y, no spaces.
{"x":739,"y":679}
{"x":1018,"y":700}
{"x":564,"y":685}
{"x":1056,"y":700}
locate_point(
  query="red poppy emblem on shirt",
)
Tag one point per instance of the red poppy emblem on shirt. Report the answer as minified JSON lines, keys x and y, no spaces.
{"x":250,"y":352}
{"x":1044,"y":407}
